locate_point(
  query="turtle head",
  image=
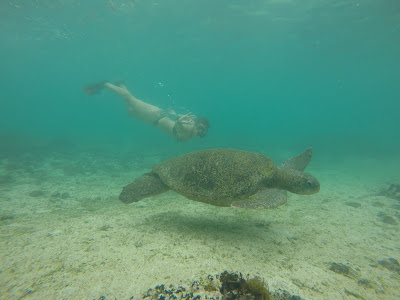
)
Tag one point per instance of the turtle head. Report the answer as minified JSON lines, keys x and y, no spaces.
{"x":299,"y":182}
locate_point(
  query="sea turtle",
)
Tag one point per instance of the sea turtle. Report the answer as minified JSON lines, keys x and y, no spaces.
{"x":226,"y":177}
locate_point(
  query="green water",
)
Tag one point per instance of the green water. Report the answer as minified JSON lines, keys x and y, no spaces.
{"x":274,"y":76}
{"x":282,"y":73}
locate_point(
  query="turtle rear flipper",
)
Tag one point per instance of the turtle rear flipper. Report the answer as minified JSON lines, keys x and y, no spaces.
{"x":265,"y":198}
{"x":148,"y":184}
{"x":299,"y":162}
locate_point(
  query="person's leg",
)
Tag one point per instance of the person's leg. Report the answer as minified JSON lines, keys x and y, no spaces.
{"x":136,"y":108}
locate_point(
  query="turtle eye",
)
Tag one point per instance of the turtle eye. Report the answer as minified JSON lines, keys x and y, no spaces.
{"x":309,"y":183}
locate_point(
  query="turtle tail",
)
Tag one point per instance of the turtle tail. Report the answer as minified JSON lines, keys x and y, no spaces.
{"x":299,"y":162}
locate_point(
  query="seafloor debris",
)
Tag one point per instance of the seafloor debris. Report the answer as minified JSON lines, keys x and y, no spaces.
{"x":386,"y":219}
{"x":392,"y":192}
{"x":343,"y":269}
{"x":37,"y":193}
{"x":62,"y":195}
{"x":390,"y":264}
{"x":224,"y":286}
{"x":365,"y":283}
{"x":353,"y":204}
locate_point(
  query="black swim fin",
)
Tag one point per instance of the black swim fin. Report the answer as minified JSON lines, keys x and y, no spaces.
{"x":94,"y":88}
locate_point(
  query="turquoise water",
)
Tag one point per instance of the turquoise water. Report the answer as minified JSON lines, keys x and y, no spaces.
{"x":274,"y":76}
{"x":321,"y":74}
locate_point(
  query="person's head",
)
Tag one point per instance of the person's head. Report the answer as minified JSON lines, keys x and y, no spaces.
{"x":202,"y":126}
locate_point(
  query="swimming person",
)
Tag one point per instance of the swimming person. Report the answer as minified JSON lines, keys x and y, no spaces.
{"x":183,"y":128}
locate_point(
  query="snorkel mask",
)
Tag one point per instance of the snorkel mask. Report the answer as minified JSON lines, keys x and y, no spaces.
{"x":202,"y":126}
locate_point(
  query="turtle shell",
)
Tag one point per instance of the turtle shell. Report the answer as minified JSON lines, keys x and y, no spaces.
{"x":216,"y":176}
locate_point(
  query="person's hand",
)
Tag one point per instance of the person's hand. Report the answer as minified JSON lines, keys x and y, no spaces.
{"x":186,"y":119}
{"x":184,"y":127}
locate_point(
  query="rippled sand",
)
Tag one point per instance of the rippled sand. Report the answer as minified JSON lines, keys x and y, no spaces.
{"x":65,"y":235}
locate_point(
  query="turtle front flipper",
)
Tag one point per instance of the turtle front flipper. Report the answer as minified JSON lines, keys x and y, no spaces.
{"x":149,"y":184}
{"x":299,"y":162}
{"x":265,"y":198}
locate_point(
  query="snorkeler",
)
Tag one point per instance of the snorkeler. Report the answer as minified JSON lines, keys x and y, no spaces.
{"x":183,"y":128}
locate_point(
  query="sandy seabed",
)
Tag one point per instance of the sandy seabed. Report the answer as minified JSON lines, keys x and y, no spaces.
{"x":65,"y":235}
